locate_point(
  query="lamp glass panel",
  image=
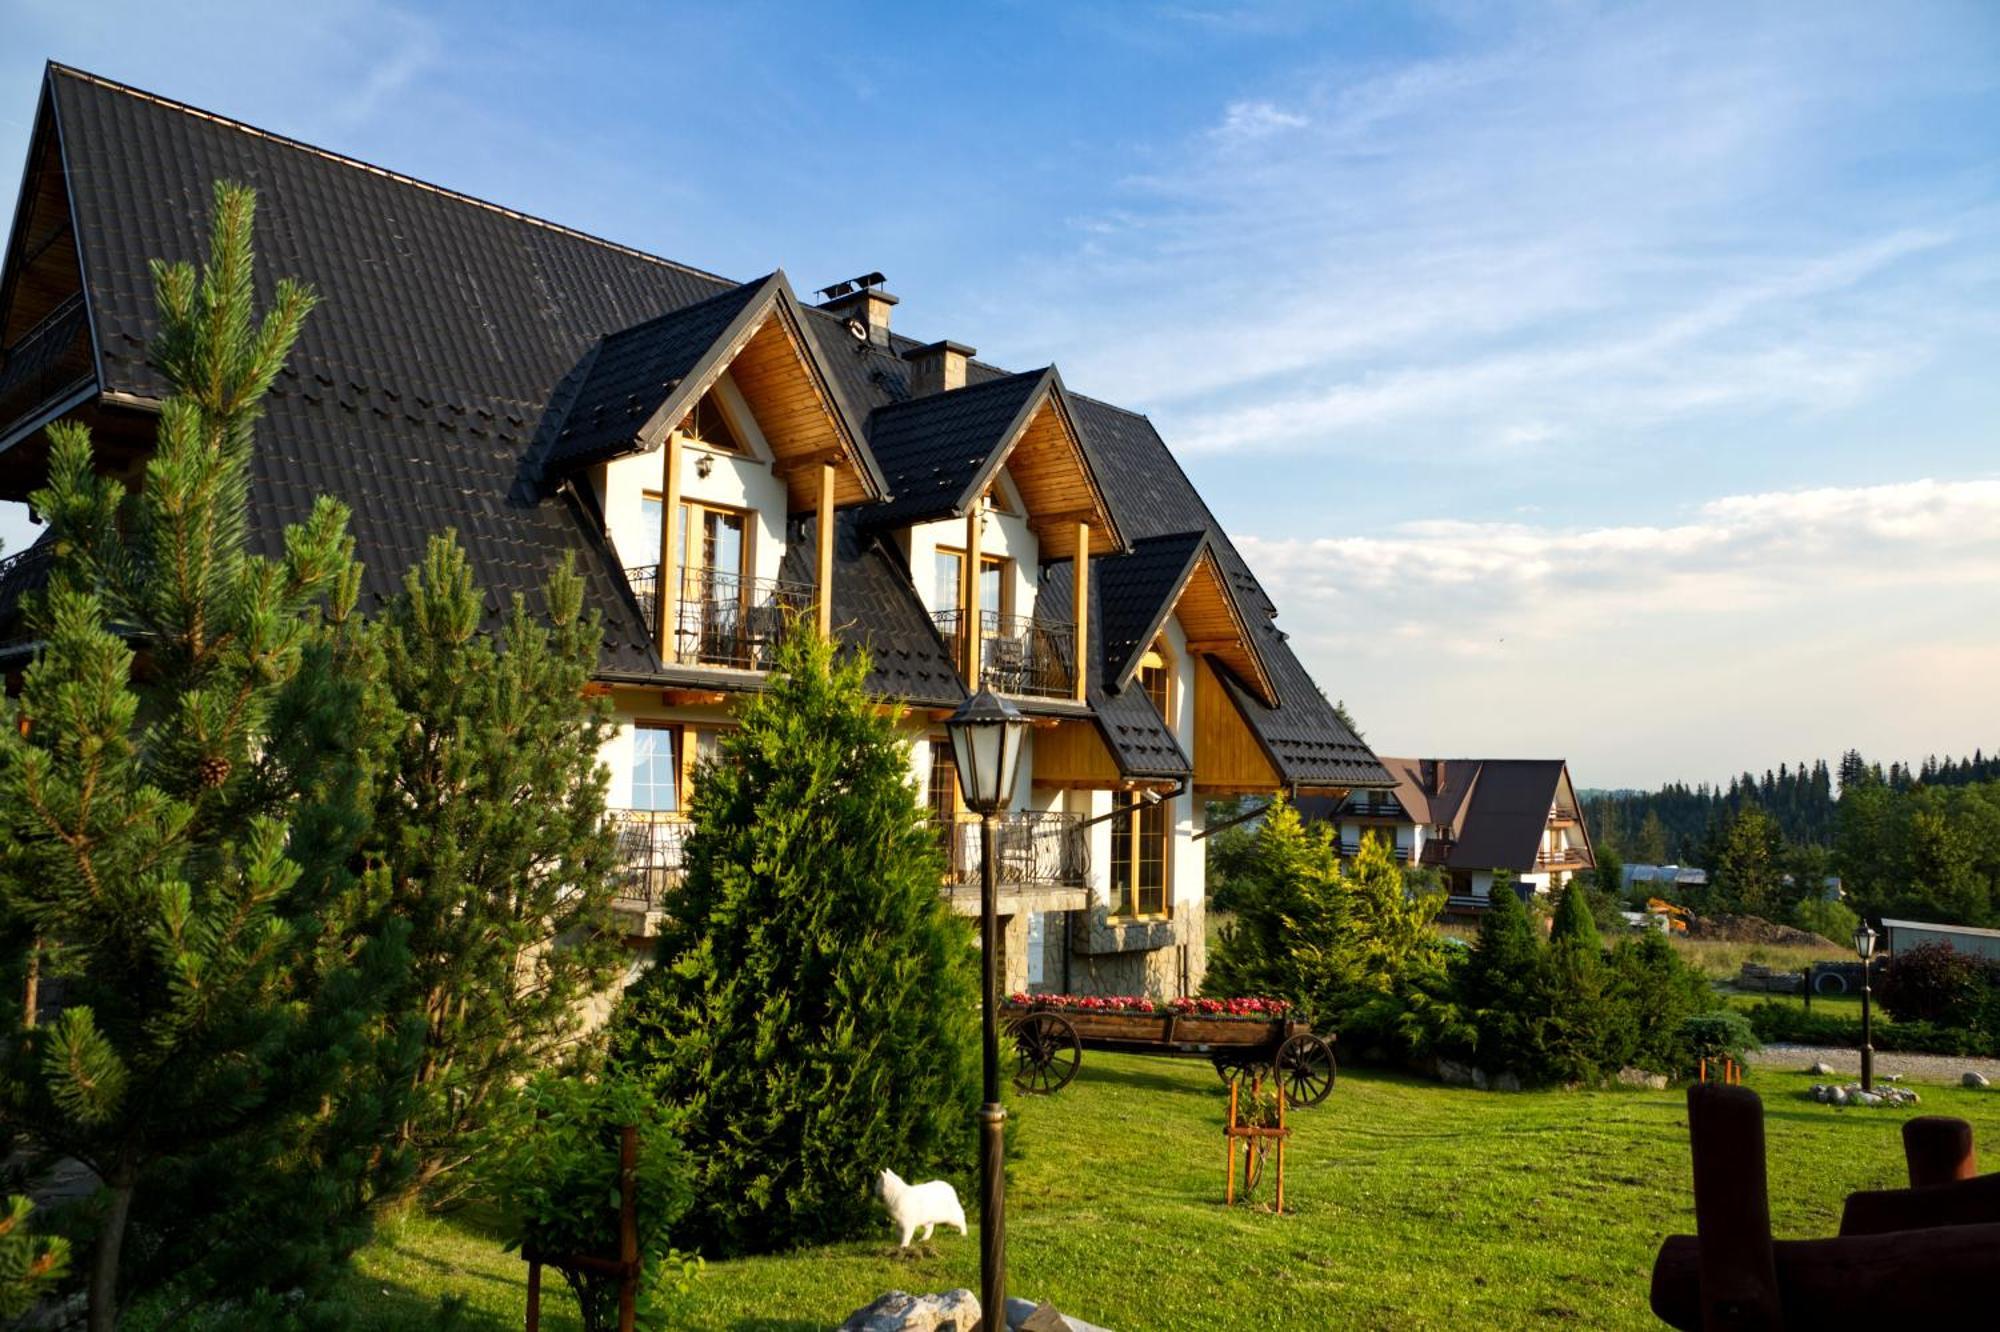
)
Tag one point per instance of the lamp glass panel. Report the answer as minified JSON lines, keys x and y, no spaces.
{"x":1010,"y":757}
{"x":976,"y":750}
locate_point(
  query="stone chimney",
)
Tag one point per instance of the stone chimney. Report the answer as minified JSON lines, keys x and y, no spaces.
{"x":938,"y":367}
{"x":861,"y":299}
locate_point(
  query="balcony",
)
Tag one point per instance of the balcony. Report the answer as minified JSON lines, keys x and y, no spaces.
{"x":650,"y":864}
{"x":1017,"y":654}
{"x":1033,"y":851}
{"x":723,"y":619}
{"x":20,"y":574}
{"x":1030,"y":851}
{"x":48,"y":360}
{"x":1568,"y":858}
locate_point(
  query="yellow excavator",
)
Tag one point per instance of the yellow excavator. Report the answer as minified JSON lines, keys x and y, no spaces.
{"x":1677,"y":916}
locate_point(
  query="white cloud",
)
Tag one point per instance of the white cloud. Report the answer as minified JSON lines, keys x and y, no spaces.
{"x":1759,"y":626}
{"x":1245,"y":121}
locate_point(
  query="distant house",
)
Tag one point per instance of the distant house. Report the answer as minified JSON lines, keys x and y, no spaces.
{"x":1669,"y":881}
{"x":1471,"y":818}
{"x":1901,"y":935}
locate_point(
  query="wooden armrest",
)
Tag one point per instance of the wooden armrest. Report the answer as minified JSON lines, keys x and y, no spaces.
{"x":1962,"y":1202}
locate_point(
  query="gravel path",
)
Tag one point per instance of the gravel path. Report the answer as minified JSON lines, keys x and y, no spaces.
{"x":1913,"y":1067}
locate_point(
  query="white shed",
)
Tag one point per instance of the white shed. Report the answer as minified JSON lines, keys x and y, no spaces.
{"x":1900,"y":935}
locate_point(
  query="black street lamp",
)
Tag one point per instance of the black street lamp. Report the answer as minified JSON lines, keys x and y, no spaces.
{"x":986,"y":734}
{"x":1864,"y":947}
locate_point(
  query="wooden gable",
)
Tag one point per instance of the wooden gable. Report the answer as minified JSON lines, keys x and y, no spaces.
{"x":794,"y":407}
{"x":1214,"y":628}
{"x":1228,"y":757}
{"x":1048,"y":466}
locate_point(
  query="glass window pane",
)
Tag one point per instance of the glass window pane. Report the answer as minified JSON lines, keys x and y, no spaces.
{"x":655,"y":784}
{"x":944,"y":584}
{"x":649,"y":531}
{"x":990,"y":576}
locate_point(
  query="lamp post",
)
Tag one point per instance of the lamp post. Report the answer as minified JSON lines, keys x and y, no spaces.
{"x":1864,"y":947}
{"x":986,"y":735}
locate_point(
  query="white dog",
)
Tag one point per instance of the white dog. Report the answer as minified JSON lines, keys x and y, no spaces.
{"x":923,"y":1207}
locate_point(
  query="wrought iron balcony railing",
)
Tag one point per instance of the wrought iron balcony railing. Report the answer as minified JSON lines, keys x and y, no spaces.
{"x":21,"y":573}
{"x":49,"y":358}
{"x":721,"y":619}
{"x":1029,"y":849}
{"x":649,"y":855}
{"x":1017,"y":654}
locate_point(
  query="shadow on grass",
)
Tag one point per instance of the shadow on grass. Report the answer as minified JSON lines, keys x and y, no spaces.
{"x":1147,"y":1078}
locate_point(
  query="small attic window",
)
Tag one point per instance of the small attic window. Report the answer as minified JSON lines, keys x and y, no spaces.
{"x":708,"y":425}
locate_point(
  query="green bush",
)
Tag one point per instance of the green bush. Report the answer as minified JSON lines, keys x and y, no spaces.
{"x":1791,"y":1024}
{"x":550,"y":1166}
{"x":1934,"y":982}
{"x":1349,"y":946}
{"x":1722,"y":1033}
{"x":814,"y":1004}
{"x":1829,"y":920}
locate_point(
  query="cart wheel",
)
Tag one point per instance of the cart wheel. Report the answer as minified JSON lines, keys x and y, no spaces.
{"x":1305,"y":1070}
{"x":1230,"y":1068}
{"x":1046,"y":1053}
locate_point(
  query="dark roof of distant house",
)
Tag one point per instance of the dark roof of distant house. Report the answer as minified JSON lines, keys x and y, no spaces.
{"x":1495,"y":810}
{"x":448,"y":330}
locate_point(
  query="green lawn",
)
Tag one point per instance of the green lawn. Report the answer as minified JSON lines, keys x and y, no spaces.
{"x":1416,"y":1206}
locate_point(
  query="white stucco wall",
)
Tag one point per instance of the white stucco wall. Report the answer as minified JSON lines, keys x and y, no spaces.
{"x":1003,"y":534}
{"x":734,"y":481}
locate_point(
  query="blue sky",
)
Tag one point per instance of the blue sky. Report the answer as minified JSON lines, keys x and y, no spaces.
{"x":1620,"y":382}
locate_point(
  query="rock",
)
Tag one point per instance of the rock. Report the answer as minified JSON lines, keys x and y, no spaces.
{"x":1837,"y":1095}
{"x":1024,"y":1316}
{"x":1892,"y":1077}
{"x":900,"y":1311}
{"x":1970,"y":1079}
{"x":1866,"y":1098}
{"x":1821,"y":1070}
{"x":1639,"y":1077}
{"x":1455,"y":1074}
{"x":1506,"y":1082}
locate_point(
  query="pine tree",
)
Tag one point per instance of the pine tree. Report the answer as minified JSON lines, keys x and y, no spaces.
{"x":492,"y":828}
{"x":1573,"y":918}
{"x":814,"y":1005}
{"x":182,"y":862}
{"x":1501,"y":980}
{"x":29,"y":1265}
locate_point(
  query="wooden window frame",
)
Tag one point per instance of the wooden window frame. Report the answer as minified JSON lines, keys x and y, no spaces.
{"x":711,"y":402}
{"x":986,"y":561}
{"x":688,"y":737}
{"x":1125,"y":902}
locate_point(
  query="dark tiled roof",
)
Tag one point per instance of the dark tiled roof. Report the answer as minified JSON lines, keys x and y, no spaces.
{"x":629,"y":375}
{"x":1136,"y":592}
{"x":1132,"y":727}
{"x":934,"y":451}
{"x":874,"y":609}
{"x":452,"y":330}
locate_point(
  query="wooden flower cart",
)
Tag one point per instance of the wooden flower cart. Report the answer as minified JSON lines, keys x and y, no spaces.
{"x":1050,"y":1038}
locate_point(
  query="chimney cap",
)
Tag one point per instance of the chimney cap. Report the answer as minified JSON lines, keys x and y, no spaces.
{"x":868,"y":284}
{"x":946,"y":345}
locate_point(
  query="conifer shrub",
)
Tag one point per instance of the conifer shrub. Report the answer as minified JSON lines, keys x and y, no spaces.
{"x":814,"y":1006}
{"x":550,"y":1166}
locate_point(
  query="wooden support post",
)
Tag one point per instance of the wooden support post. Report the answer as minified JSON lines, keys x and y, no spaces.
{"x":534,"y":1295}
{"x":668,"y":594}
{"x":975,"y":620}
{"x":1080,"y":594}
{"x":823,"y":595}
{"x":628,"y":1227}
{"x":1229,"y":1149}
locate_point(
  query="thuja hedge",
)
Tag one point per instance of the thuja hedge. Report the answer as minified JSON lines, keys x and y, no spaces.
{"x":1791,"y":1024}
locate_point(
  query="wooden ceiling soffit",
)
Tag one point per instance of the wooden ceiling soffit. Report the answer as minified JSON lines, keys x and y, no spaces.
{"x":1046,"y":457}
{"x":1073,"y":753}
{"x":1216,"y":628}
{"x":1229,"y":757}
{"x":769,"y":355}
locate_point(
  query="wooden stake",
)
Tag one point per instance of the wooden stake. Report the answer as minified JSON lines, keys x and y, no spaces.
{"x":628,"y":1227}
{"x":534,"y":1295}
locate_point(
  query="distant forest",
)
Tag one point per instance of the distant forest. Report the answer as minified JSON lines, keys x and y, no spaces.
{"x":1680,"y":823}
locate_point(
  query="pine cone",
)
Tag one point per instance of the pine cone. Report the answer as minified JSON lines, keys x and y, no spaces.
{"x":212,"y":772}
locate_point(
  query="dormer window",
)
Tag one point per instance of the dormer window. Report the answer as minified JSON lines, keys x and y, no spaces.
{"x":708,"y":425}
{"x":1156,"y":680}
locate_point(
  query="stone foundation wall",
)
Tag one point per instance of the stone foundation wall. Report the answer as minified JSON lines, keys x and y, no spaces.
{"x":1143,"y":957}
